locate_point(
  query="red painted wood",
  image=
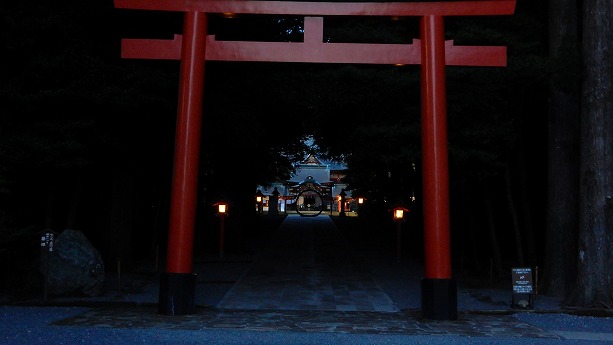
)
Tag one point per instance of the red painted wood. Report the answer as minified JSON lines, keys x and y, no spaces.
{"x":358,"y":53}
{"x":314,"y":50}
{"x":439,"y":8}
{"x":434,"y":150}
{"x":187,"y":145}
{"x":152,"y":48}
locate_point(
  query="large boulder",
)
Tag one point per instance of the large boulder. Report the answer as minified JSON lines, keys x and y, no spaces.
{"x":75,"y":266}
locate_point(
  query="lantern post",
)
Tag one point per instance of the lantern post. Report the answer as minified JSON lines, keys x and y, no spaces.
{"x":259,"y":200}
{"x":222,"y":212}
{"x":341,"y":203}
{"x":398,"y":214}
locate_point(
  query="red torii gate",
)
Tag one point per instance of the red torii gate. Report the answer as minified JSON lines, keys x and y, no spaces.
{"x":431,"y":51}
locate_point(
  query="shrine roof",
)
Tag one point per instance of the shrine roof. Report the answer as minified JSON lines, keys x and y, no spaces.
{"x":312,"y":160}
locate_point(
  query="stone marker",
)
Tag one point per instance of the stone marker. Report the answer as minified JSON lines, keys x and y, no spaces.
{"x":75,"y":266}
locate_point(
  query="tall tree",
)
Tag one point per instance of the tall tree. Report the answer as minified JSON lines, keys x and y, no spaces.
{"x":563,"y":147}
{"x":595,"y":255}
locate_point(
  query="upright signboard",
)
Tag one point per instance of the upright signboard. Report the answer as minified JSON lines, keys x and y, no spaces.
{"x":523,"y":287}
{"x":47,"y":239}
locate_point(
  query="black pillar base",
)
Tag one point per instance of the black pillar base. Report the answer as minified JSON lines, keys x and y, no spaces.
{"x":177,"y":294}
{"x":439,"y":299}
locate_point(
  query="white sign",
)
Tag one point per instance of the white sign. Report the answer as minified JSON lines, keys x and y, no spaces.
{"x":46,"y":241}
{"x":522,"y":280}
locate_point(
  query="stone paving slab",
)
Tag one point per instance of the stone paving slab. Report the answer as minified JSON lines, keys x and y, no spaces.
{"x":360,"y":322}
{"x":308,"y":266}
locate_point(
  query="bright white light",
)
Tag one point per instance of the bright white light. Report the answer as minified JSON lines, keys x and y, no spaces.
{"x":398,"y":213}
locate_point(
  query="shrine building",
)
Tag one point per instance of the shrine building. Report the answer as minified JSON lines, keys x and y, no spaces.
{"x":314,"y":188}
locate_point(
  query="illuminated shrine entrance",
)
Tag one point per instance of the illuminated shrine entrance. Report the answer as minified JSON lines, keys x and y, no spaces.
{"x":310,"y":200}
{"x":430,"y":51}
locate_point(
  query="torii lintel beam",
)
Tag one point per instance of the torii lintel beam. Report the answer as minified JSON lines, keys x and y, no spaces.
{"x":384,"y":54}
{"x":436,"y":8}
{"x":313,"y":50}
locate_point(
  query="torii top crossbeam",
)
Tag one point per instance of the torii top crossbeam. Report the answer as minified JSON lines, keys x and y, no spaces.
{"x":413,"y":9}
{"x":313,"y":49}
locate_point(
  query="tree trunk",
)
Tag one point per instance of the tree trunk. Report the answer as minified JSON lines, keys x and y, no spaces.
{"x":519,"y":248}
{"x":122,"y":214}
{"x":50,"y":205}
{"x":526,"y":209}
{"x":491,"y":225}
{"x":75,"y":200}
{"x":563,"y":149}
{"x":595,"y":262}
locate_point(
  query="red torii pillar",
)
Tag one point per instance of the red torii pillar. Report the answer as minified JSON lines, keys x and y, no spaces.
{"x":439,"y":291}
{"x":177,"y":286}
{"x":438,"y":288}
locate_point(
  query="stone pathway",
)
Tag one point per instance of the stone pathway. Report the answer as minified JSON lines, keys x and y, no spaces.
{"x":307,"y":279}
{"x":308,"y":266}
{"x":398,"y":323}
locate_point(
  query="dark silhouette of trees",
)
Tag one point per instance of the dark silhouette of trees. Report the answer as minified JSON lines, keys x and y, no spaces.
{"x":86,"y":138}
{"x":83,"y":124}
